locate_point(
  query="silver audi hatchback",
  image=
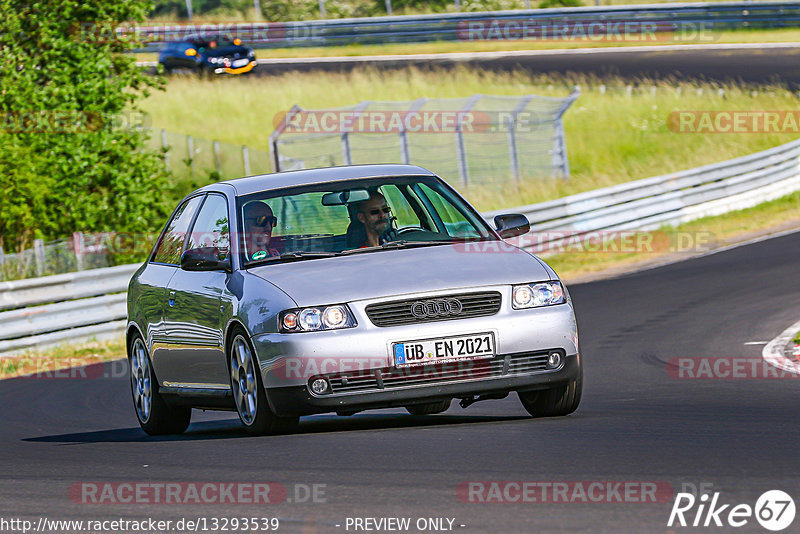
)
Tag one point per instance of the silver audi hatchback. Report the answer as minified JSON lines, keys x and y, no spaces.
{"x":340,"y":290}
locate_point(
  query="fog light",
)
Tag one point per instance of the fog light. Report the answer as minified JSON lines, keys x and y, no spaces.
{"x":319,"y":386}
{"x":554,"y":360}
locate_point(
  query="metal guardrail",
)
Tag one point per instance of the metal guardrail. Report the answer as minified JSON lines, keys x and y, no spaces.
{"x":556,"y":23}
{"x":63,"y":287}
{"x":670,"y":199}
{"x":92,"y":303}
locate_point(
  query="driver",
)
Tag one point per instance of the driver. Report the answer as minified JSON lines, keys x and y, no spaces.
{"x":258,"y":224}
{"x":376,"y":216}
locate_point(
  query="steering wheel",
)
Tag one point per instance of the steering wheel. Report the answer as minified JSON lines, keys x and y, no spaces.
{"x":409,"y":229}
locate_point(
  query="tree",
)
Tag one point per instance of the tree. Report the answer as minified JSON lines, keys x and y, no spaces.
{"x":71,"y":155}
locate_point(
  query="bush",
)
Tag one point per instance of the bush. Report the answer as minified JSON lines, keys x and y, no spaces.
{"x":71,"y":157}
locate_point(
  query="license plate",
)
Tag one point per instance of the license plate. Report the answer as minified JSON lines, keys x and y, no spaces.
{"x":445,"y":349}
{"x":240,"y":62}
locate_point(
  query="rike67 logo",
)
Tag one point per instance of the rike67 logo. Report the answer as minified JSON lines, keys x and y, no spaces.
{"x":774,"y":510}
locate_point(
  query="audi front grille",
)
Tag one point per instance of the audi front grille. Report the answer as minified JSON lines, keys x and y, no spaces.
{"x":443,"y":308}
{"x":520,"y":363}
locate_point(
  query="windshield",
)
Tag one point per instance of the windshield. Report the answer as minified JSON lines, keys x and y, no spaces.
{"x":354,"y":217}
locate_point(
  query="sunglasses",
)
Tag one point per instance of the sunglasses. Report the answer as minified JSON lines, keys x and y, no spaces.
{"x":376,"y":211}
{"x":263,"y":220}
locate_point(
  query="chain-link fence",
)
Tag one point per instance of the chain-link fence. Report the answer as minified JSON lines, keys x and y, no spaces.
{"x":479,"y":140}
{"x":53,"y":257}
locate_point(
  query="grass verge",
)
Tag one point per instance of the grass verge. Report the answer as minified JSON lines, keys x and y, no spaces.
{"x":616,"y":131}
{"x":48,"y":362}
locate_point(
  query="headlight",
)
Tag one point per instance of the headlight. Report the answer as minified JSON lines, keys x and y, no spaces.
{"x":316,"y":318}
{"x":536,"y":295}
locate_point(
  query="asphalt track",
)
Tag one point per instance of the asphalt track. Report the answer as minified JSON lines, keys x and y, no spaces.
{"x":636,"y":423}
{"x":752,"y":64}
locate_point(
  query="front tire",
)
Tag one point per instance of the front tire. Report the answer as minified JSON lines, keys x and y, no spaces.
{"x":554,"y":402}
{"x":429,"y":408}
{"x":155,"y":416}
{"x":248,"y":391}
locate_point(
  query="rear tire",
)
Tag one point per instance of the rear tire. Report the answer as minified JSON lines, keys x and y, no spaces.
{"x":155,"y":416}
{"x":429,"y":408}
{"x":554,"y":402}
{"x":248,"y":391}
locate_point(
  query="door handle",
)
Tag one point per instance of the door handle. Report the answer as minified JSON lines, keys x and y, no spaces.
{"x":171,"y":299}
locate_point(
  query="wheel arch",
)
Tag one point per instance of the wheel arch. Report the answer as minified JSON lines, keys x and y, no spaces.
{"x":132,"y":330}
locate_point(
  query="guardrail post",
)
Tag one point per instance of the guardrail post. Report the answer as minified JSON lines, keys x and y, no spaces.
{"x":77,"y":246}
{"x":560,"y":162}
{"x":190,"y":151}
{"x":38,"y":254}
{"x":165,"y":147}
{"x":322,"y":9}
{"x":246,"y":160}
{"x":512,"y":136}
{"x":458,"y":5}
{"x":217,"y":163}
{"x":388,"y":7}
{"x":461,"y":152}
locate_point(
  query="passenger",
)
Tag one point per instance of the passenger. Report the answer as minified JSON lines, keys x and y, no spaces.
{"x":258,"y":225}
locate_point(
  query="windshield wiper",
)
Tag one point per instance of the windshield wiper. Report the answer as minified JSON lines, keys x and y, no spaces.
{"x":294,"y":256}
{"x":397,"y":244}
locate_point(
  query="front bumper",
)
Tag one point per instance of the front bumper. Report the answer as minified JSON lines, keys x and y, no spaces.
{"x":289,"y":361}
{"x":241,"y":70}
{"x":297,"y":400}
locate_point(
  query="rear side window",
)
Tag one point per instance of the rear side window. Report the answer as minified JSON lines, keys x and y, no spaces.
{"x":169,"y":249}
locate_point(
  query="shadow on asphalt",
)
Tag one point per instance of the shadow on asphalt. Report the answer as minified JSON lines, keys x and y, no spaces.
{"x":226,"y":429}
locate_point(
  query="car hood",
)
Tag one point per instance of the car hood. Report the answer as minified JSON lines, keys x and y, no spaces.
{"x":398,"y":272}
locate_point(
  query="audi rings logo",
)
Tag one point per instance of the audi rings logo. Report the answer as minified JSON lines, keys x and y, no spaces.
{"x":427,"y":309}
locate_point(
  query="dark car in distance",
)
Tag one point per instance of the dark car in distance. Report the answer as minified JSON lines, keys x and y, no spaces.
{"x":207,"y":55}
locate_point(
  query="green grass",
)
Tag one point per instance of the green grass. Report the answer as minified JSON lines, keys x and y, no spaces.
{"x":613,"y":135}
{"x":796,"y":338}
{"x":787,"y":35}
{"x":46,"y":361}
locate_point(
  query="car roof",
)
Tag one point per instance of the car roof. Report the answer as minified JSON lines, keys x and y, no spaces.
{"x":280,"y":180}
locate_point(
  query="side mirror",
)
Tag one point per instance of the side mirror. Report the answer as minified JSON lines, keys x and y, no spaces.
{"x":512,"y":225}
{"x":205,"y":259}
